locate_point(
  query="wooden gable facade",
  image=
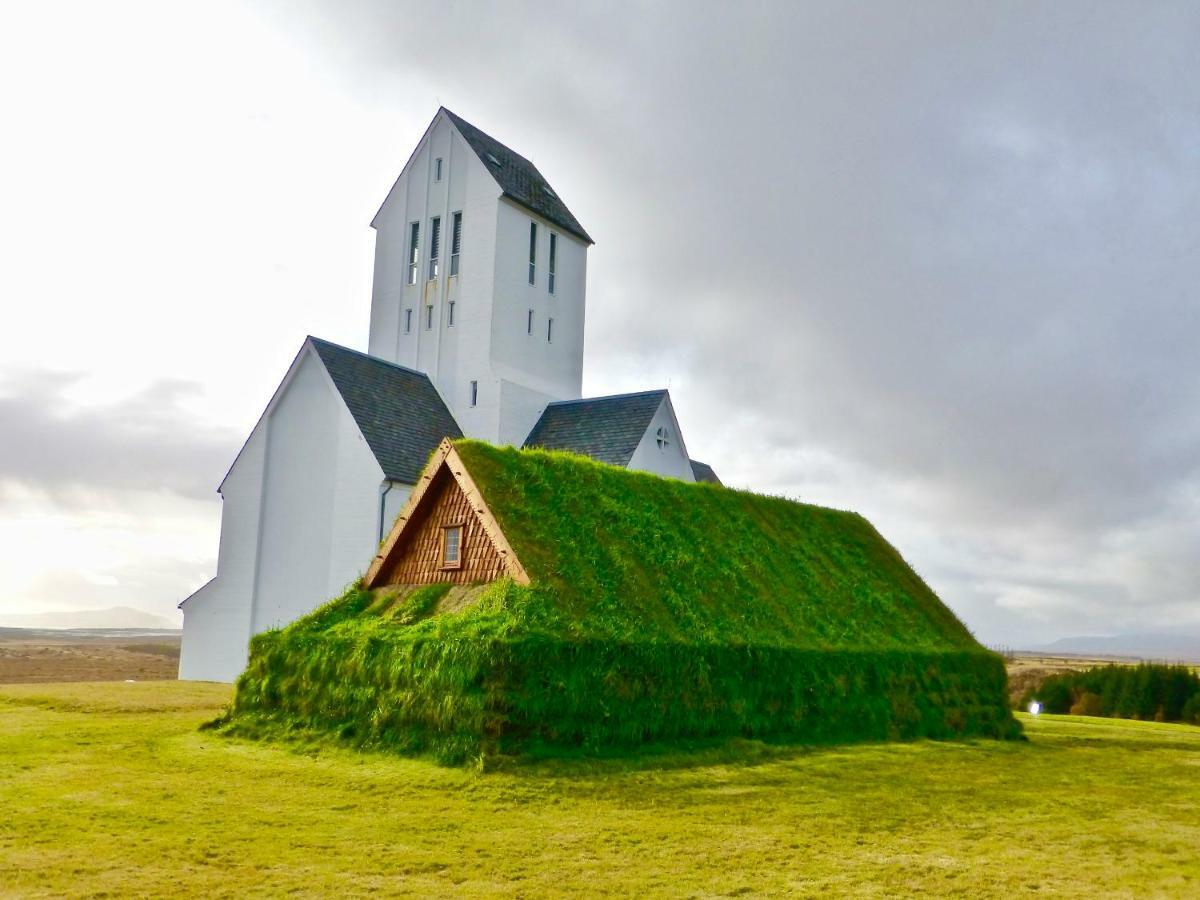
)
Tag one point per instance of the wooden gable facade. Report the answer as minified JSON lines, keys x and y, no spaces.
{"x":445,"y":533}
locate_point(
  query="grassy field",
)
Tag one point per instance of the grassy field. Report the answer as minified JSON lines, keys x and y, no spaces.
{"x":110,"y":788}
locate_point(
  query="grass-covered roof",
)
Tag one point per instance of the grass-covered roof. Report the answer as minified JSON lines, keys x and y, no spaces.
{"x":628,"y":555}
{"x":655,"y":611}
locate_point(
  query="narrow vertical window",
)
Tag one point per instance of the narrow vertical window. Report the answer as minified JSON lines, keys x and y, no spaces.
{"x":474,"y":392}
{"x":455,"y":241}
{"x":553,"y":254}
{"x":529,"y":322}
{"x":408,"y":321}
{"x":414,"y":250}
{"x":437,"y":169}
{"x":435,"y":242}
{"x":450,"y":314}
{"x":549,"y":330}
{"x":429,"y":317}
{"x":532,"y":249}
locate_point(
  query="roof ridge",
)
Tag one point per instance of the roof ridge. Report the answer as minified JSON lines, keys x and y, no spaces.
{"x":376,"y":359}
{"x":608,"y":397}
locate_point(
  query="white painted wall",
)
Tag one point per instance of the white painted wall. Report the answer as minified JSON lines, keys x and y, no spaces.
{"x":452,"y":355}
{"x":552,"y":367}
{"x":671,"y":462}
{"x":320,"y":499}
{"x":216,"y":619}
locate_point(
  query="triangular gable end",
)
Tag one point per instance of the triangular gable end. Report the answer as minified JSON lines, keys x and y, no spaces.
{"x":445,"y":495}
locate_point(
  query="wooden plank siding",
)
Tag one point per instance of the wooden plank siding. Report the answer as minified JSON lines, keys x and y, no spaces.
{"x":418,"y":560}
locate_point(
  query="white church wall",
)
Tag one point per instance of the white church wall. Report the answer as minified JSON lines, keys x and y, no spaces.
{"x":216,"y":620}
{"x":356,"y":507}
{"x":393,"y":502}
{"x":520,"y":408}
{"x":670,"y":461}
{"x":465,"y":347}
{"x":552,"y":367}
{"x":455,"y":354}
{"x":305,"y":474}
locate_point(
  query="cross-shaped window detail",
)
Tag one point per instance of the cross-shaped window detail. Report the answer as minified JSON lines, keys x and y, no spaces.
{"x":663,"y":438}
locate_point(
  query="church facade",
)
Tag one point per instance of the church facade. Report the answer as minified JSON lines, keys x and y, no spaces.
{"x":477,"y":327}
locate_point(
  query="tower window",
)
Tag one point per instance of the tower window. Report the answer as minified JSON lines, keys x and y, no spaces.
{"x":414,"y":249}
{"x":450,"y":314}
{"x":529,"y":322}
{"x":455,"y":241}
{"x":474,"y":392}
{"x":553,"y":254}
{"x":429,"y":317}
{"x":532,"y":250}
{"x":435,"y":242}
{"x":549,"y":330}
{"x":437,"y":169}
{"x":408,"y":321}
{"x":452,"y":540}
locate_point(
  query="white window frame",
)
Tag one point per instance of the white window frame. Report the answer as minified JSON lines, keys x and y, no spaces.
{"x":474,"y":393}
{"x":550,"y":330}
{"x":450,"y":313}
{"x":437,"y":169}
{"x":429,"y":317}
{"x":408,"y":320}
{"x":529,"y":323}
{"x":550,"y":261}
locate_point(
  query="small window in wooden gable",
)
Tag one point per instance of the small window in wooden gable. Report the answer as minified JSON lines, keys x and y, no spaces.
{"x":452,"y":546}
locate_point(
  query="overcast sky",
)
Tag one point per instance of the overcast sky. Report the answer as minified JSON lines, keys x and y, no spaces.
{"x":937,"y":263}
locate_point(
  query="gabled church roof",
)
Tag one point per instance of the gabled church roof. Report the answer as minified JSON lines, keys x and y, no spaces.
{"x":398,"y":410}
{"x":607,"y":429}
{"x":518,"y":178}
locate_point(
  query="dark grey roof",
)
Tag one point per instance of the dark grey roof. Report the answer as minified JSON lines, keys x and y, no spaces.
{"x":518,"y":178}
{"x":398,"y":410}
{"x":704,"y":472}
{"x":605,"y":428}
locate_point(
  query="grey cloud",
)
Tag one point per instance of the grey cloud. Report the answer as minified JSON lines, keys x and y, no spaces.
{"x":147,"y":442}
{"x":944,"y":250}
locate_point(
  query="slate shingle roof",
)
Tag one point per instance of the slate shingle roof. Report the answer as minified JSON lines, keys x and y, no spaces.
{"x":398,"y":410}
{"x":605,"y":428}
{"x":518,"y":178}
{"x":704,"y":472}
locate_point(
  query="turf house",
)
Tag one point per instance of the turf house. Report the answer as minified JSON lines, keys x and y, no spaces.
{"x":530,"y":601}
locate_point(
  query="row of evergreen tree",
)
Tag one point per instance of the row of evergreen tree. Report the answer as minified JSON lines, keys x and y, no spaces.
{"x":1149,"y":691}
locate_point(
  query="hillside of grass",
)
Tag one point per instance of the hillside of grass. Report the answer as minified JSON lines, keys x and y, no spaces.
{"x":624,"y":555}
{"x":110,"y":789}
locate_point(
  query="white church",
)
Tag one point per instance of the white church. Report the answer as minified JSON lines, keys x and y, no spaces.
{"x":477,"y":318}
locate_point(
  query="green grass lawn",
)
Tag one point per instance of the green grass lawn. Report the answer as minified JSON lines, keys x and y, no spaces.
{"x":110,"y":788}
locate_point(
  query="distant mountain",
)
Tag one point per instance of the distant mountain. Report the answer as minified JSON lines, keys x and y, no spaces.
{"x":1151,"y":645}
{"x":113,"y":617}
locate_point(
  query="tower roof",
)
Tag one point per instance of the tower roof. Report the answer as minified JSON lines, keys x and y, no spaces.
{"x":518,"y":178}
